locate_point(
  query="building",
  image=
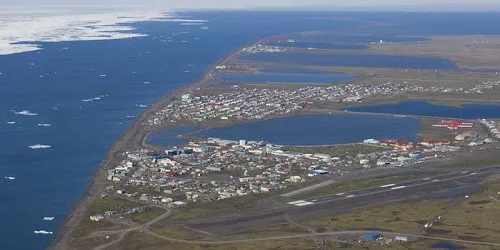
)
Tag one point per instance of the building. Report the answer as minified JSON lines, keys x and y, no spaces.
{"x":215,"y":169}
{"x":319,"y":172}
{"x":401,"y":238}
{"x":453,"y":124}
{"x":372,"y":236}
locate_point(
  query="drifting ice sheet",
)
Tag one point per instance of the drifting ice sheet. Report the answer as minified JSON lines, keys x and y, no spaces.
{"x":56,"y":26}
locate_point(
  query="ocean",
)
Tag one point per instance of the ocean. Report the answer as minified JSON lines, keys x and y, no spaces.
{"x":70,"y":101}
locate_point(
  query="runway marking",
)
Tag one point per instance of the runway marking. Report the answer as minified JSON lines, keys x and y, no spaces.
{"x":295,"y":202}
{"x":340,"y":194}
{"x":398,"y":187}
{"x":300,"y":203}
{"x":307,"y":203}
{"x":350,"y":196}
{"x":388,"y":185}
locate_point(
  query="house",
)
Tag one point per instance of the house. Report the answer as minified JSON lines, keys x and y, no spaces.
{"x":372,"y":236}
{"x":401,"y":238}
{"x":319,"y":172}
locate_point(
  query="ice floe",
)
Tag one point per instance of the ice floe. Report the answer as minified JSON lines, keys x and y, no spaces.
{"x":181,"y":20}
{"x":40,"y":146}
{"x":24,"y":112}
{"x":43,"y":232}
{"x":64,"y":25}
{"x":10,"y":178}
{"x":94,"y":98}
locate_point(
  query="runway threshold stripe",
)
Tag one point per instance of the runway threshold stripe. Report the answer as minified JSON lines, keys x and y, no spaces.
{"x":296,"y":202}
{"x":398,"y":187}
{"x":307,"y":203}
{"x":388,"y":185}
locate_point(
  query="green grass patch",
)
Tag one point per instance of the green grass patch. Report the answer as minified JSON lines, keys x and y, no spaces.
{"x":428,"y":132}
{"x":176,"y":233}
{"x":148,"y":214}
{"x":234,"y":204}
{"x":99,"y":206}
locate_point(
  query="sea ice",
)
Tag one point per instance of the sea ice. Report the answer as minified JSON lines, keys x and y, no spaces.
{"x":43,"y":232}
{"x":61,"y":25}
{"x":24,"y":112}
{"x":40,"y":146}
{"x":94,"y":98}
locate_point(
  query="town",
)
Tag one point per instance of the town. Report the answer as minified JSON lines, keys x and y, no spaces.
{"x":206,"y":170}
{"x":251,"y":104}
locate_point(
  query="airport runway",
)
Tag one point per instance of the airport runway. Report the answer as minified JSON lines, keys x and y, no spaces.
{"x":393,"y":186}
{"x":337,"y":203}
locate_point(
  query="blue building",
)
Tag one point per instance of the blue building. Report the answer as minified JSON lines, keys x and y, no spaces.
{"x":372,"y":236}
{"x":319,"y":172}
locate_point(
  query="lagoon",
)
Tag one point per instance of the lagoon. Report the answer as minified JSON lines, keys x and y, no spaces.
{"x":354,"y":60}
{"x":286,"y":78}
{"x":421,"y":107}
{"x":319,"y":45}
{"x":321,"y":129}
{"x":170,"y":138}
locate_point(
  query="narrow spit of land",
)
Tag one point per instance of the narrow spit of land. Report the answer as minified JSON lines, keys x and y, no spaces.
{"x":132,"y":137}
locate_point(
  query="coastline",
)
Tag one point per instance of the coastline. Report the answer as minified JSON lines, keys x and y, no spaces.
{"x":134,"y":135}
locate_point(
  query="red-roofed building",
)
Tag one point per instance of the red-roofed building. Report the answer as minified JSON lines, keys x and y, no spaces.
{"x":453,"y":124}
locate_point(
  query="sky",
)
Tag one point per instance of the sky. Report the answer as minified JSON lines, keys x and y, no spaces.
{"x":442,"y":5}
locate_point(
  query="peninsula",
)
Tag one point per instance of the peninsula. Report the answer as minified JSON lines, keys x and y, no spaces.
{"x":248,"y":194}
